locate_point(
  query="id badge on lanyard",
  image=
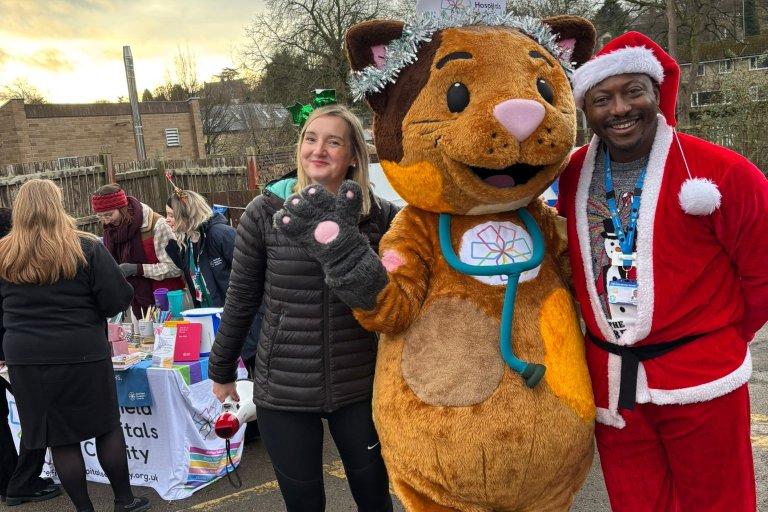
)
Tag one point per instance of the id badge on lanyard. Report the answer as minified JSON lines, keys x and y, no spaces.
{"x":623,"y":291}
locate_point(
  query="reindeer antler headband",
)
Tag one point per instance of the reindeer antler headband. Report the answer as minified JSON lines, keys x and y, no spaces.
{"x":178,"y":191}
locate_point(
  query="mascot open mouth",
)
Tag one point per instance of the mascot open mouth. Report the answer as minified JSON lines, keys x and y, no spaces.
{"x":512,"y":176}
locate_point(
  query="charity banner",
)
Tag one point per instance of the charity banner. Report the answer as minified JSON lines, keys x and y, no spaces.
{"x":171,"y":445}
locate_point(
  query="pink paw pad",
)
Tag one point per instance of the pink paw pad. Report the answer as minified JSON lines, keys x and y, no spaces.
{"x":326,"y":232}
{"x":312,"y":191}
{"x":295,"y":200}
{"x":286,"y":219}
{"x":391,"y":260}
{"x":350,"y":194}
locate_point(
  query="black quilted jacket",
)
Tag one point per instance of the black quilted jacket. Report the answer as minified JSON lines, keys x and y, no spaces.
{"x":312,"y":354}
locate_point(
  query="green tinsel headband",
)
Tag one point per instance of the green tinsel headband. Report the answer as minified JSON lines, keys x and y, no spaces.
{"x":402,"y":52}
{"x":300,"y":113}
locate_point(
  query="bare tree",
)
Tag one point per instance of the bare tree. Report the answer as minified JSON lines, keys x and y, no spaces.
{"x":684,"y":25}
{"x":739,"y":118}
{"x":22,"y":90}
{"x":184,"y":83}
{"x":217,"y":114}
{"x":312,"y":31}
{"x":545,"y":8}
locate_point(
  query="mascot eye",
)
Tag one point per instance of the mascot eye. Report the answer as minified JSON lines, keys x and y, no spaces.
{"x":458,"y":97}
{"x":545,"y":90}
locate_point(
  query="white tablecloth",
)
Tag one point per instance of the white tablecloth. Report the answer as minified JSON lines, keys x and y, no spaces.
{"x":171,"y":445}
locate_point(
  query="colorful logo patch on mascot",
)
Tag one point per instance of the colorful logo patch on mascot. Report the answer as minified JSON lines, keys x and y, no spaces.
{"x":497,"y":243}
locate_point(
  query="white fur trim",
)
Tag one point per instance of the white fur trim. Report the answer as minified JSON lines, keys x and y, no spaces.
{"x":708,"y":391}
{"x":610,"y":418}
{"x":699,"y":196}
{"x":585,"y":246}
{"x":642,"y":396}
{"x":614,"y":381}
{"x":654,"y":176}
{"x":634,"y":59}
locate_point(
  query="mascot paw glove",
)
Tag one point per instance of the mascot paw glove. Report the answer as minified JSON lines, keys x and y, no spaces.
{"x":327,"y":227}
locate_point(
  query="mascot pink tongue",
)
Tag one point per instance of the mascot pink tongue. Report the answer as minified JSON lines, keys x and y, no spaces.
{"x":500,"y":181}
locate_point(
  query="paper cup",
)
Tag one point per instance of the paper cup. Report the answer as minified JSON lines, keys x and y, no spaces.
{"x":175,"y":302}
{"x":145,"y":329}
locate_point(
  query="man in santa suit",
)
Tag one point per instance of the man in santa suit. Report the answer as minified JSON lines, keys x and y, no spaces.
{"x":670,"y":320}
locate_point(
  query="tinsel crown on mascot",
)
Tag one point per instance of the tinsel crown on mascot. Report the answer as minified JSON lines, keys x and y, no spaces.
{"x":482,"y":399}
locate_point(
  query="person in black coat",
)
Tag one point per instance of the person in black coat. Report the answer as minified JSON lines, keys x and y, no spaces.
{"x":58,"y":286}
{"x":19,"y":473}
{"x":314,"y":361}
{"x":205,"y":245}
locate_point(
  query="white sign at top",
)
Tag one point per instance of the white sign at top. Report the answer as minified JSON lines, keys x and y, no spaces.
{"x":436,"y":6}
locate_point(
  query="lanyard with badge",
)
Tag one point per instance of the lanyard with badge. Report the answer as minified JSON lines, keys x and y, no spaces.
{"x":623,"y":291}
{"x":201,"y":291}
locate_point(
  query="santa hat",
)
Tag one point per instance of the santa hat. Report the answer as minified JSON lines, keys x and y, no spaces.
{"x":635,"y":53}
{"x":631,"y":53}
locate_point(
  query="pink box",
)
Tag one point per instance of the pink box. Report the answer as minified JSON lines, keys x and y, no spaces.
{"x":115,"y":332}
{"x":119,"y":347}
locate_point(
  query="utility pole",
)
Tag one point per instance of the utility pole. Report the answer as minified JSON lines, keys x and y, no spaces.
{"x":130,"y":76}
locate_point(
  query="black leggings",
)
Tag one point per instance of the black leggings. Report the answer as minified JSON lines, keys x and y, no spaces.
{"x":110,"y":450}
{"x":294,"y":441}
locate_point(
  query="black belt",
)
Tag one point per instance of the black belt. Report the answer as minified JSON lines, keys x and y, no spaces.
{"x":630,"y":360}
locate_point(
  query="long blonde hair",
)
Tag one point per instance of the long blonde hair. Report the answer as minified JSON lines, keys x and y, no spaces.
{"x":44,"y":243}
{"x":190,"y":210}
{"x":358,"y":173}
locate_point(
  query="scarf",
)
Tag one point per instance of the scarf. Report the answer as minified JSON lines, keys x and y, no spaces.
{"x":124,"y":244}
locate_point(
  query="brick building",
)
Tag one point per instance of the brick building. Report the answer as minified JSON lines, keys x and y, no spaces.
{"x":33,"y":133}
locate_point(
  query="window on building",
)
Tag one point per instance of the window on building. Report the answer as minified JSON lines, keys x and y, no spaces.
{"x":726,"y":66}
{"x":701,"y":70}
{"x":172,"y":137}
{"x":758,"y":93}
{"x":758,"y":62}
{"x":704,"y":98}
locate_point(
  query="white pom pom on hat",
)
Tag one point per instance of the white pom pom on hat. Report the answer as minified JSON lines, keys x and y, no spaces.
{"x":699,"y":196}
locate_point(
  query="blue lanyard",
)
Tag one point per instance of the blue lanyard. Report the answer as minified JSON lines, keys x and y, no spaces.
{"x":626,"y":239}
{"x":531,"y":372}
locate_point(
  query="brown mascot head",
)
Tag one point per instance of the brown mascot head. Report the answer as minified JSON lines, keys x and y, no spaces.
{"x":482,"y":121}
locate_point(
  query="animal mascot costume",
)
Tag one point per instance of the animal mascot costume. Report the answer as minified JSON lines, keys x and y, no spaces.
{"x":482,"y":398}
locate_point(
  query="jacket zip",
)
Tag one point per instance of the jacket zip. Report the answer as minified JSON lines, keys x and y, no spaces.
{"x":327,"y":348}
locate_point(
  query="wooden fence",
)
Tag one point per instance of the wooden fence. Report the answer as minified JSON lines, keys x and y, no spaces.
{"x":223,"y":181}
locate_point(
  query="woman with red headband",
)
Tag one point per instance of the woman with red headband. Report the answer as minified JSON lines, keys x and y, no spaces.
{"x":137,"y":238}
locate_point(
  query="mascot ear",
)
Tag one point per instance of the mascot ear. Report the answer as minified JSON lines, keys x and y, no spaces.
{"x":574,"y":33}
{"x":365,"y":44}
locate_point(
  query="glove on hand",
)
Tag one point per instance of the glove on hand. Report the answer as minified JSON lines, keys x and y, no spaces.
{"x":327,"y":227}
{"x":129,"y":269}
{"x":324,"y":224}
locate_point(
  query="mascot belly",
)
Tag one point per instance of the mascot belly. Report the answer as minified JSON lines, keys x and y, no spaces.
{"x":482,"y":398}
{"x":458,"y":426}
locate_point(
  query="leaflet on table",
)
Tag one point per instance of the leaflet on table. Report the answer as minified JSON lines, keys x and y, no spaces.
{"x":125,"y":361}
{"x":162,"y":352}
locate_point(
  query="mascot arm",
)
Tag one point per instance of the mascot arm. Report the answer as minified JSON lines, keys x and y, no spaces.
{"x":406,"y":253}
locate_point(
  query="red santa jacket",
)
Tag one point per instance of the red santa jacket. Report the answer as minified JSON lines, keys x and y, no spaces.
{"x":697,"y":275}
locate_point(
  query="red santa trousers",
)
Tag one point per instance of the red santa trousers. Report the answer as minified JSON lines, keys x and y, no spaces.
{"x":681,"y":458}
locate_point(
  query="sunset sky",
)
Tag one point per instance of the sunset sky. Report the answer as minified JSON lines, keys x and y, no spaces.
{"x":72,"y":50}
